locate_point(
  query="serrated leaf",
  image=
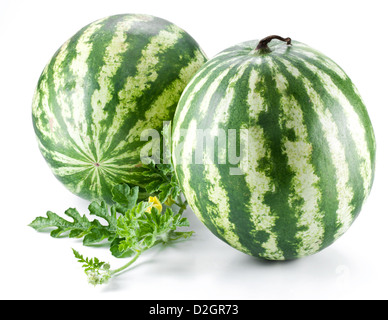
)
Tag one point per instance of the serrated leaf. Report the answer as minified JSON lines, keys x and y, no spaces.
{"x":133,"y":225}
{"x":116,"y":252}
{"x":154,"y":186}
{"x":125,"y":198}
{"x":97,"y":235}
{"x":165,"y":191}
{"x":92,"y":231}
{"x":76,"y":228}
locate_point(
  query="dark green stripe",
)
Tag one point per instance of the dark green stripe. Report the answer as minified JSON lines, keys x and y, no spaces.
{"x":137,"y":43}
{"x":208,"y":209}
{"x":277,"y":168}
{"x":347,"y":88}
{"x":69,"y":78}
{"x":211,"y":70}
{"x":321,"y":154}
{"x":101,"y":41}
{"x":238,"y":216}
{"x":236,"y":185}
{"x":353,"y":160}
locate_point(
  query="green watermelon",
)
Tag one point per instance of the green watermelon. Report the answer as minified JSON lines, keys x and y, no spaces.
{"x":303,"y":140}
{"x":108,"y":84}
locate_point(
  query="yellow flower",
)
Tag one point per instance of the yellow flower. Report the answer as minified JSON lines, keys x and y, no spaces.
{"x":155,"y":204}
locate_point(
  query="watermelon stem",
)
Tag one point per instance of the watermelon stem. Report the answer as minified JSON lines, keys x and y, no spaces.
{"x":138,"y":253}
{"x":263,"y":44}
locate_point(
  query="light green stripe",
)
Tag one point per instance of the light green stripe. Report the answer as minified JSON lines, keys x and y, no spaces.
{"x":183,"y":109}
{"x":60,"y":157}
{"x":221,"y":115}
{"x":144,"y":78}
{"x":194,"y":87}
{"x":72,"y":114}
{"x":337,"y":152}
{"x":158,"y":110}
{"x":319,"y":57}
{"x":305,"y":193}
{"x":169,"y":97}
{"x":185,"y":163}
{"x":354,"y":125}
{"x":112,"y":62}
{"x":257,"y":181}
{"x":204,"y":106}
{"x":219,"y":212}
{"x":96,"y":181}
{"x":41,"y":108}
{"x":256,"y":101}
{"x":216,"y":192}
{"x":77,"y":188}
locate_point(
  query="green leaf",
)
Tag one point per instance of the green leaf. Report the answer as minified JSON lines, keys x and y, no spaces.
{"x":92,"y":231}
{"x":154,"y":186}
{"x":97,"y":234}
{"x":165,"y":190}
{"x":131,"y":226}
{"x":76,"y":228}
{"x":140,"y":230}
{"x":164,"y":184}
{"x":117,"y":253}
{"x":98,"y":272}
{"x":125,"y":198}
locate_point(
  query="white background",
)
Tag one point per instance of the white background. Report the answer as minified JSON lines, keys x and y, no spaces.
{"x":35,"y":266}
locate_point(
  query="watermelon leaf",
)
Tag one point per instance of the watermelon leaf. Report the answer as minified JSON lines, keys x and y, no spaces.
{"x":164,"y":185}
{"x":125,"y":198}
{"x":78,"y":228}
{"x":131,"y":226}
{"x":141,"y":228}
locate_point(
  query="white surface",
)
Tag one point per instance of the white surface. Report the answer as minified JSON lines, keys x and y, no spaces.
{"x":35,"y":266}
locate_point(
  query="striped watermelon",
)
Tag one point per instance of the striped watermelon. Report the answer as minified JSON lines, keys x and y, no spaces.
{"x":304,"y":139}
{"x":114,"y":79}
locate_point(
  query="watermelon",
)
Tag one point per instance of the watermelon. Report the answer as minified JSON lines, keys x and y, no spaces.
{"x":107,"y":85}
{"x":297,"y":154}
